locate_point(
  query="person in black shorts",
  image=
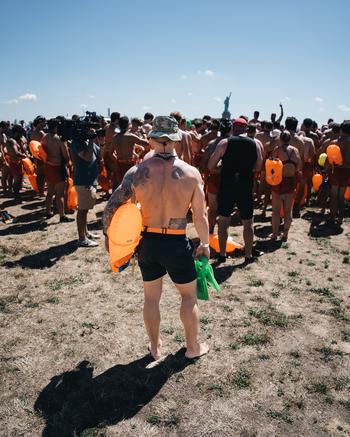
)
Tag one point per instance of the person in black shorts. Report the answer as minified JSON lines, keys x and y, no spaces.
{"x":240,"y":158}
{"x":155,"y":262}
{"x":166,"y":187}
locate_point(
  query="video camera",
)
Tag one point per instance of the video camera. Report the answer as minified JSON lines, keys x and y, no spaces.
{"x":80,"y":128}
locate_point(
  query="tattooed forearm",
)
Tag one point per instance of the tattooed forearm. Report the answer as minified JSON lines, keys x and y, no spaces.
{"x":120,"y":196}
{"x":177,"y":223}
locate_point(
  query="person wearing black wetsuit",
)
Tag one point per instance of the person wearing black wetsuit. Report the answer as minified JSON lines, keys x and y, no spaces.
{"x":239,"y":158}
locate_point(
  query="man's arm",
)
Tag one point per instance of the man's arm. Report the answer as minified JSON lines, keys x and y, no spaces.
{"x":217,"y":155}
{"x":259,"y":159}
{"x":299,"y":161}
{"x":64,"y":151}
{"x":120,"y":196}
{"x":200,"y":217}
{"x":186,"y":148}
{"x":140,"y":141}
{"x":281,"y":116}
{"x":88,"y":153}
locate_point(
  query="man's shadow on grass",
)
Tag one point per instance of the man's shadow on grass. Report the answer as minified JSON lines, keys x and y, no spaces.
{"x":23,"y":228}
{"x":44,"y":259}
{"x":75,"y":401}
{"x":324,"y":230}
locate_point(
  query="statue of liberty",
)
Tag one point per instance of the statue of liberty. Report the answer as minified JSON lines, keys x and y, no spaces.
{"x":226,"y":113}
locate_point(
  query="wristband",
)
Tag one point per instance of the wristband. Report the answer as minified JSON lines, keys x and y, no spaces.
{"x":205,"y":245}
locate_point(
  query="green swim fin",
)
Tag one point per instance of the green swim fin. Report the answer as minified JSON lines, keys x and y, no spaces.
{"x":205,"y":278}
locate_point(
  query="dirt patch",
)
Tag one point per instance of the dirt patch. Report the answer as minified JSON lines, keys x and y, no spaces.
{"x":73,"y":346}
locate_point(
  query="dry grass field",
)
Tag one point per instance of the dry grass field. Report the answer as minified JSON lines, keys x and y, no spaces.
{"x":73,"y":357}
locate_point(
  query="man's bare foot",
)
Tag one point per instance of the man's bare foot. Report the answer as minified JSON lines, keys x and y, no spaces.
{"x":197,"y":352}
{"x":156,"y":352}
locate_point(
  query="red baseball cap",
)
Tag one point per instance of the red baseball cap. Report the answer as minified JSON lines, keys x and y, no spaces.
{"x":240,"y":122}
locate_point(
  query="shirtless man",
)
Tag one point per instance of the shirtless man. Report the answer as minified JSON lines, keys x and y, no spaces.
{"x":6,"y":178}
{"x":37,"y":134}
{"x":274,"y":115}
{"x":268,"y":142}
{"x":55,"y":170}
{"x":184,"y":147}
{"x":15,"y":155}
{"x":339,"y":176}
{"x":107,"y":156}
{"x":212,"y":181}
{"x":298,"y":142}
{"x":255,"y":119}
{"x":147,"y":122}
{"x":308,"y":168}
{"x":251,"y":133}
{"x":166,"y":186}
{"x":307,"y":127}
{"x":125,"y":146}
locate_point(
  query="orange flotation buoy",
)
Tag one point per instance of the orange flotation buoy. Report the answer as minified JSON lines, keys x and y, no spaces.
{"x":317,"y":180}
{"x":334,"y":155}
{"x":29,"y":172}
{"x":38,"y":150}
{"x":28,"y":167}
{"x":273,"y":168}
{"x":72,"y":195}
{"x":33,"y":183}
{"x":231,"y":246}
{"x":347,"y":193}
{"x":103,"y":179}
{"x":124,"y":235}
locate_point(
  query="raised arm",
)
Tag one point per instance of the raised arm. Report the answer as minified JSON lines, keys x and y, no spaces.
{"x":281,"y":116}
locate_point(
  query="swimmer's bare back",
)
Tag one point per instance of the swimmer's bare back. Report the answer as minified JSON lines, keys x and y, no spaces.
{"x":164,"y":188}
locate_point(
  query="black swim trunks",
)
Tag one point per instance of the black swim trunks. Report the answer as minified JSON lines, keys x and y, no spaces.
{"x":239,"y":194}
{"x":159,"y":254}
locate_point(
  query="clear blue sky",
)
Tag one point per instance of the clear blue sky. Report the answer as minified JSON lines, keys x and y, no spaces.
{"x":134,"y":56}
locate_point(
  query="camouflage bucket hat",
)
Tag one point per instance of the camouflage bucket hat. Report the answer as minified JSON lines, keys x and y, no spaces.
{"x":165,"y":127}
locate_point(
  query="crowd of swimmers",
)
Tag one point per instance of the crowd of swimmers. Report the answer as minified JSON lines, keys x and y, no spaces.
{"x":204,"y":142}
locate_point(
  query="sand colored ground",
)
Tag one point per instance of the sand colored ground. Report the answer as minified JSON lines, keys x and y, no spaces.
{"x":73,"y":358}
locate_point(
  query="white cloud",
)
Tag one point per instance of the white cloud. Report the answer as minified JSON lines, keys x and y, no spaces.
{"x":344,"y":108}
{"x":208,"y":73}
{"x":322,"y":110}
{"x":318,"y":99}
{"x":286,"y":99}
{"x":91,"y":97}
{"x":217,"y":99}
{"x":146,"y":108}
{"x":23,"y":98}
{"x":10,"y":102}
{"x":189,"y":94}
{"x":172,"y":101}
{"x":83,"y":106}
{"x":184,"y":76}
{"x":28,"y":96}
